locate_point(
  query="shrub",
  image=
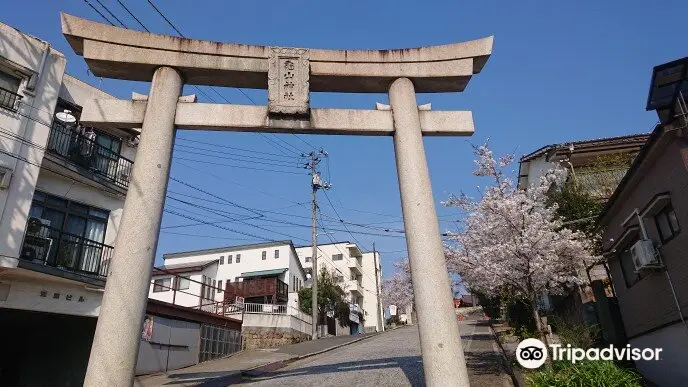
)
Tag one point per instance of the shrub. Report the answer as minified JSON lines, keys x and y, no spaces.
{"x":577,"y":334}
{"x":586,"y":373}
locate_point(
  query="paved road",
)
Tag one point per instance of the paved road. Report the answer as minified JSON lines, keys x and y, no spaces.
{"x":389,"y":359}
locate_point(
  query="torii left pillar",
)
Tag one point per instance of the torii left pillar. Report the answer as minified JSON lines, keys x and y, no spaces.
{"x":125,"y":298}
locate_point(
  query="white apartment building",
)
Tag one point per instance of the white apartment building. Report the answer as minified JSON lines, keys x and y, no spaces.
{"x":261,"y":273}
{"x":358,"y":273}
{"x":62,"y":190}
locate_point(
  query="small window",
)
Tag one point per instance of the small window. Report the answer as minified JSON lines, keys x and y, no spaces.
{"x":337,"y":257}
{"x":183,"y":283}
{"x":229,"y":259}
{"x":161,"y":285}
{"x":308,"y":259}
{"x":338,"y":279}
{"x":276,"y":253}
{"x":236,"y":279}
{"x":238,"y":258}
{"x":219,"y":285}
{"x":264,"y":255}
{"x":222,"y":259}
{"x":667,"y":223}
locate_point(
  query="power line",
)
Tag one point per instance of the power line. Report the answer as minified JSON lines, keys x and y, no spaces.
{"x":235,"y":148}
{"x":98,"y":12}
{"x":111,"y":14}
{"x":132,"y":15}
{"x":221,"y":154}
{"x":166,"y":19}
{"x":238,"y":166}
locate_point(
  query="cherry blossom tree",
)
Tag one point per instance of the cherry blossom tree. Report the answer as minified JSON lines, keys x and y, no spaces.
{"x":398,"y":289}
{"x":511,"y":239}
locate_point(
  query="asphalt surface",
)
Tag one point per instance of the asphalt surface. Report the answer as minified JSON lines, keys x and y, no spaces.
{"x":389,"y":359}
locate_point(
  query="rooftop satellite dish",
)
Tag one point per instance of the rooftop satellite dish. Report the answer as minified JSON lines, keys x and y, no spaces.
{"x":66,"y":116}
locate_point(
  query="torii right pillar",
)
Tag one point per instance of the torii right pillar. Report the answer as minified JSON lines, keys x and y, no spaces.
{"x":440,"y":338}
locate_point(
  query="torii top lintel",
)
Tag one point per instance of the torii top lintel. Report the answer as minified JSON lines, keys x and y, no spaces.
{"x":120,"y":53}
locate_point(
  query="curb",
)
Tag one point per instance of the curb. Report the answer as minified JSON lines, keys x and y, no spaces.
{"x":261,"y":369}
{"x":516,"y":376}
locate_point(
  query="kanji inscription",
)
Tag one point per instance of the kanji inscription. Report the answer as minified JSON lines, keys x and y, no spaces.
{"x":288,"y":72}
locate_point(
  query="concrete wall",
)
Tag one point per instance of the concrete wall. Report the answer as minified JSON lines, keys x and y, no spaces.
{"x":21,"y":55}
{"x":671,"y":369}
{"x":43,"y":295}
{"x":373,"y":312}
{"x":649,"y":303}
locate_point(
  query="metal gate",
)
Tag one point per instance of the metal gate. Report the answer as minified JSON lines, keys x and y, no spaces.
{"x":218,"y":342}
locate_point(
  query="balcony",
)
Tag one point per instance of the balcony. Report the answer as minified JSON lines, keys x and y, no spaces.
{"x":354,"y":287}
{"x":9,"y":100}
{"x":48,"y":246}
{"x":270,"y":289}
{"x":92,"y":159}
{"x":355,"y":266}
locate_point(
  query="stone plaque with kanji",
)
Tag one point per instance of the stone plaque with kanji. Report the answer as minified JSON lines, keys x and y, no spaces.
{"x":288,"y":70}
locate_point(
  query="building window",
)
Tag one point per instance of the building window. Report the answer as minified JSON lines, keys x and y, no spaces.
{"x":276,"y":253}
{"x":222,"y":259}
{"x":308,"y":259}
{"x":264,"y":255}
{"x":183,"y":283}
{"x":161,"y":285}
{"x":337,"y":257}
{"x":9,"y":86}
{"x":238,"y":258}
{"x":229,"y":259}
{"x":236,"y":279}
{"x":338,"y":279}
{"x":219,"y":285}
{"x":667,"y":223}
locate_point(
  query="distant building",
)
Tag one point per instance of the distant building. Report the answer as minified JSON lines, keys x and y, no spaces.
{"x":598,"y":166}
{"x":358,"y":273}
{"x":264,"y":277}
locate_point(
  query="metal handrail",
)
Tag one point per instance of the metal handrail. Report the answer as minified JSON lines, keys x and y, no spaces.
{"x":9,"y":100}
{"x":54,"y":247}
{"x":88,"y":154}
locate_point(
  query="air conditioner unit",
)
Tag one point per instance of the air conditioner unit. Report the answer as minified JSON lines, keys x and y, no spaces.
{"x":37,"y":244}
{"x":645,"y":256}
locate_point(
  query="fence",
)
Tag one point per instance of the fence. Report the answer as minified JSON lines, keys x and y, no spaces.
{"x":54,"y":247}
{"x":9,"y":100}
{"x":88,"y":154}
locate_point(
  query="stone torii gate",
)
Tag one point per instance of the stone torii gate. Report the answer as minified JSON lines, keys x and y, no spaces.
{"x":289,"y":74}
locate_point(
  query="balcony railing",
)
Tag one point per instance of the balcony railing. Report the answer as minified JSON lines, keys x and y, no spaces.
{"x":90,"y":155}
{"x":53,"y":247}
{"x":9,"y":100}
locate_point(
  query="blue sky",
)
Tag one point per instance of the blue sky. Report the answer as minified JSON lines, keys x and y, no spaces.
{"x":560,"y":71}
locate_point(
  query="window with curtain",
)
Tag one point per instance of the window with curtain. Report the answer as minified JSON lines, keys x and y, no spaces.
{"x":77,"y":231}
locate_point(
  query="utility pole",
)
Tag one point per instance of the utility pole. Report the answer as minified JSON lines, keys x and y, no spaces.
{"x":380,"y":316}
{"x":316,"y":184}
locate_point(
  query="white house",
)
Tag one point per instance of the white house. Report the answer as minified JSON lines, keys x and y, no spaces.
{"x":62,"y":190}
{"x":358,"y":273}
{"x":200,"y":277}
